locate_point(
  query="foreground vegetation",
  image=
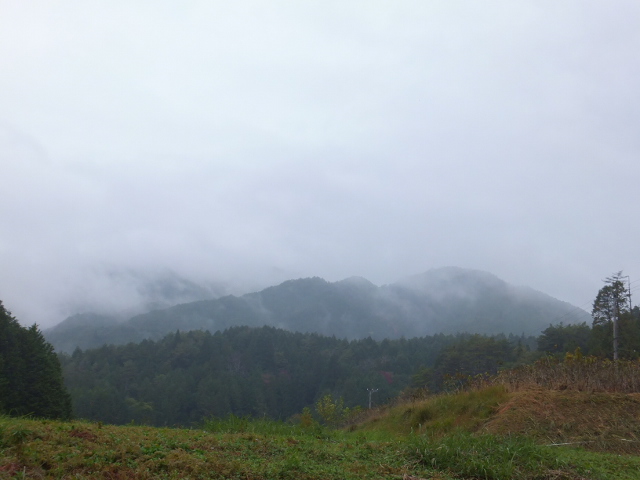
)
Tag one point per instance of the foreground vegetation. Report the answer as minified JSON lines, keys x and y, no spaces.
{"x":260,"y":450}
{"x":455,"y":436}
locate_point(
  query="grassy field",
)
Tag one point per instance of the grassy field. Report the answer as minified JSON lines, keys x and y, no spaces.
{"x":461,"y":436}
{"x":42,"y":449}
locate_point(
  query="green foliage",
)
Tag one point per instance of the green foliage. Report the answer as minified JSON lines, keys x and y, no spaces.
{"x":612,"y":316}
{"x":260,"y":449}
{"x":488,"y":456}
{"x":614,"y":324}
{"x":306,"y":418}
{"x":333,"y":412}
{"x":601,"y":341}
{"x":472,"y":356}
{"x":423,"y":378}
{"x":616,"y":327}
{"x":253,"y":372}
{"x":597,"y":340}
{"x":611,"y":301}
{"x":443,"y":413}
{"x":437,"y":414}
{"x":30,"y":373}
{"x":564,"y":338}
{"x":264,"y":371}
{"x":264,"y":426}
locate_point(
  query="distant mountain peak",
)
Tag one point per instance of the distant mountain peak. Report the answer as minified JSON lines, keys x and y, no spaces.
{"x":451,"y":278}
{"x":356,"y":281}
{"x":441,"y":300}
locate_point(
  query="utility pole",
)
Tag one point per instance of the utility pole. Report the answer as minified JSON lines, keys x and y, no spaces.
{"x":371,"y":390}
{"x":616,"y":329}
{"x":616,"y":294}
{"x":629,"y":283}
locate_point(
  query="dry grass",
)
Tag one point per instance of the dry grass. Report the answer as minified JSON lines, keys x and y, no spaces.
{"x":582,"y":401}
{"x":596,"y":421}
{"x":493,"y":433}
{"x":586,"y":401}
{"x":587,"y":374}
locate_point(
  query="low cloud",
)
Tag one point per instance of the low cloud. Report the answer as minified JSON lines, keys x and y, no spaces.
{"x":242,"y":145}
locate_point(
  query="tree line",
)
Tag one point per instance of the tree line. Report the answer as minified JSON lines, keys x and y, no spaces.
{"x":614,"y":332}
{"x":265,"y":371}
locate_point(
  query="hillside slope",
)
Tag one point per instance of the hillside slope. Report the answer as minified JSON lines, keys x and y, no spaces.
{"x":595,"y":421}
{"x":598,"y":421}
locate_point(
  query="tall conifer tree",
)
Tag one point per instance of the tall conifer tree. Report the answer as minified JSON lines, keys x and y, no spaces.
{"x":30,"y":373}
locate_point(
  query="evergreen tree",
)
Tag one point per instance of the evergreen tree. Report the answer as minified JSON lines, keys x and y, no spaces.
{"x":565,"y":338}
{"x":30,"y":373}
{"x":610,"y":305}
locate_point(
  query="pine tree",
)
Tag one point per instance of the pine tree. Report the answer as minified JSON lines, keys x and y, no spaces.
{"x":610,"y":304}
{"x":30,"y":373}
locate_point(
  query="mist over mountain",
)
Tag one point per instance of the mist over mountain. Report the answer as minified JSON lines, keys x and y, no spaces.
{"x":122,"y":293}
{"x":445,"y":300}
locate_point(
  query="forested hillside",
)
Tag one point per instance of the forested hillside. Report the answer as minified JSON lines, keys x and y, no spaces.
{"x":447,"y":300}
{"x":30,"y":374}
{"x":267,"y":371}
{"x":187,"y":376}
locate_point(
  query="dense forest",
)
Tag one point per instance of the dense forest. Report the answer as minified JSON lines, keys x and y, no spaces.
{"x":266,"y":371}
{"x":30,"y":374}
{"x":187,"y":376}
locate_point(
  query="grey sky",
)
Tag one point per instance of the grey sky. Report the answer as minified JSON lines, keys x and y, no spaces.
{"x":252,"y":142}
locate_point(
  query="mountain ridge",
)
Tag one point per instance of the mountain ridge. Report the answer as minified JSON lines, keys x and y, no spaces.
{"x":445,"y":300}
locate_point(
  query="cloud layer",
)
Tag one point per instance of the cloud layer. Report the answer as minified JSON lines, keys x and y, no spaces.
{"x":248,"y":143}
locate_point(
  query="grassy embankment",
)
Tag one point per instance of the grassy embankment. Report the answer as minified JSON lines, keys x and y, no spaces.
{"x":502,"y":431}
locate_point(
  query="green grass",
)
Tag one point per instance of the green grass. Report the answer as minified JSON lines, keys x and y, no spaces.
{"x":485,"y":456}
{"x":262,"y":426}
{"x":494,"y":457}
{"x":444,"y":438}
{"x":82,"y":450}
{"x":439,"y":414}
{"x":263,"y":449}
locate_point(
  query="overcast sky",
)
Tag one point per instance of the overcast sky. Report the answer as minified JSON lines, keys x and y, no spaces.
{"x":251,"y":142}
